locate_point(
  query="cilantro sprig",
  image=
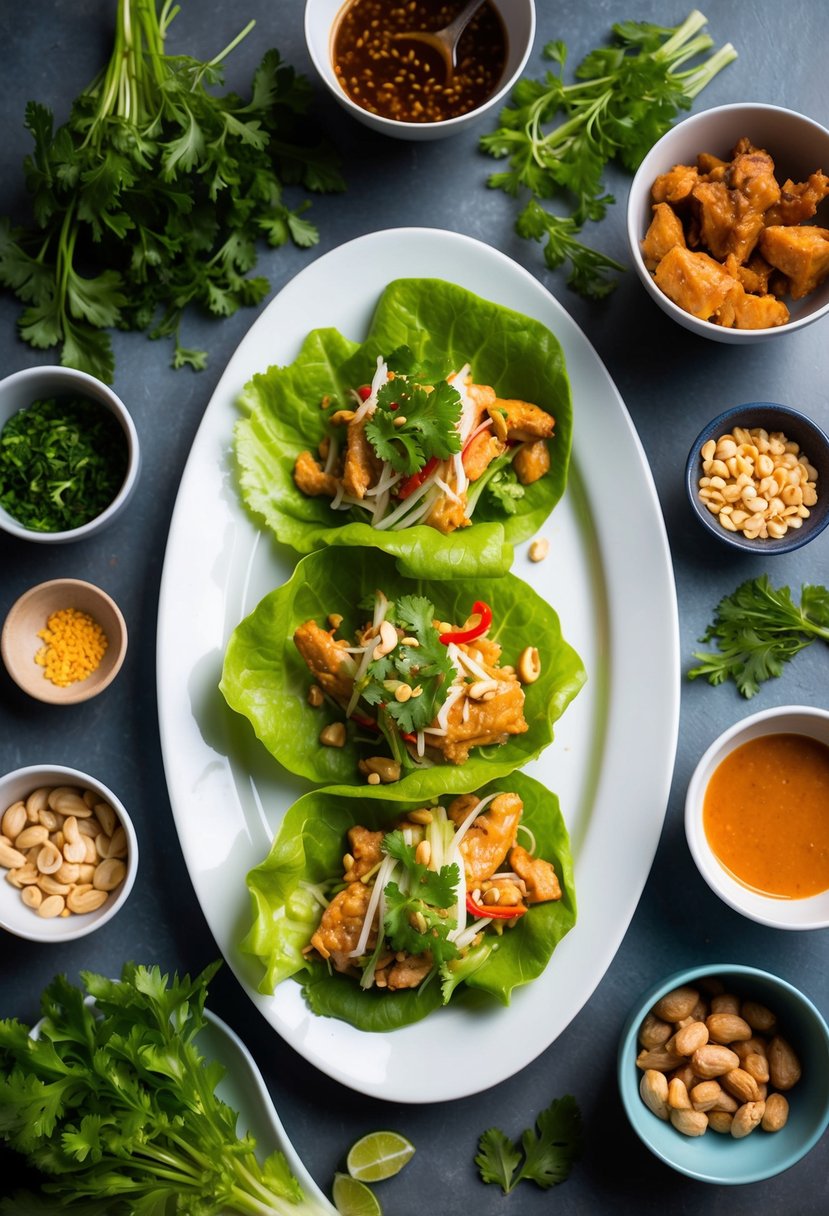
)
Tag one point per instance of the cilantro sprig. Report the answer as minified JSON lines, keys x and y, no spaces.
{"x":758,"y":629}
{"x":546,"y":1153}
{"x":116,"y":1106}
{"x":558,"y":138}
{"x":152,"y":196}
{"x":416,"y":917}
{"x":414,"y":419}
{"x":425,"y":666}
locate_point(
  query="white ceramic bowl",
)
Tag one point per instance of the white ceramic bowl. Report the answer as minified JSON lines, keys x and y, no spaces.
{"x":20,"y":389}
{"x":809,"y":913}
{"x":20,"y":640}
{"x":798,"y":146}
{"x":23,"y":921}
{"x":321,"y":17}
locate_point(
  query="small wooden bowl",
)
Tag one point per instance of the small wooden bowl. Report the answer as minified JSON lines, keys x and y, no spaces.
{"x":19,"y":641}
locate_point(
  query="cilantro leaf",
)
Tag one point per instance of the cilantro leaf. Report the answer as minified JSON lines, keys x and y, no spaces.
{"x":758,"y":629}
{"x":548,"y":1149}
{"x":558,"y":138}
{"x":411,"y":424}
{"x":151,"y":198}
{"x":424,"y":666}
{"x":416,"y":919}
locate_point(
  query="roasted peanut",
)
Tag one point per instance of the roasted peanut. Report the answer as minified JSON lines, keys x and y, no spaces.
{"x":727,"y":1028}
{"x":14,"y":821}
{"x":85,"y":899}
{"x":725,"y":1002}
{"x":742,"y":1085}
{"x":333,"y":735}
{"x":758,"y":1017}
{"x":678,"y":1095}
{"x":776,"y":1113}
{"x":713,"y":1060}
{"x":705,"y":1095}
{"x":112,"y":872}
{"x":11,"y":858}
{"x":677,"y":1004}
{"x":51,"y":906}
{"x":35,"y":834}
{"x":689,"y":1122}
{"x":654,"y":1032}
{"x":757,"y":1066}
{"x":689,"y":1038}
{"x":658,"y":1058}
{"x":653,"y":1088}
{"x":784,"y":1066}
{"x":746,"y":1119}
{"x":720,"y":1121}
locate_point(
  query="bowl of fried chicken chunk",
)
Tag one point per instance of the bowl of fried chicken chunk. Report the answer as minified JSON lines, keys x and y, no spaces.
{"x":728,"y":222}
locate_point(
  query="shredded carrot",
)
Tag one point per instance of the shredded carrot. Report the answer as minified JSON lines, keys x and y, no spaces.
{"x":75,"y":645}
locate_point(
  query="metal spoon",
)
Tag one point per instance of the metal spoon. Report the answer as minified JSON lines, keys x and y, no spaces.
{"x":445,"y":41}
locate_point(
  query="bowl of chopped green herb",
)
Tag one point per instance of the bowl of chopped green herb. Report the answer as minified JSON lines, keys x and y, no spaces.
{"x":69,"y":454}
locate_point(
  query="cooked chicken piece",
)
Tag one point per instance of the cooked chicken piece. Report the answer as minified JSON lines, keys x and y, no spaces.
{"x":664,"y":232}
{"x":731,"y":212}
{"x":483,"y":723}
{"x":741,"y":310}
{"x":327,"y":660}
{"x":483,"y":395}
{"x":539,"y":876}
{"x":364,"y":847}
{"x":361,"y":468}
{"x":713,"y":168}
{"x":802,"y":254}
{"x":311,"y":478}
{"x":694,"y":281}
{"x":341,"y":925}
{"x":490,"y":837}
{"x":483,"y":449}
{"x":754,"y":275}
{"x":531,"y":461}
{"x":526,"y":421}
{"x":448,"y":514}
{"x":676,"y":185}
{"x":410,"y":972}
{"x":799,"y":201}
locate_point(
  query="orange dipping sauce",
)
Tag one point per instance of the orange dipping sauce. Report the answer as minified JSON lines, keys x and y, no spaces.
{"x":766,"y":815}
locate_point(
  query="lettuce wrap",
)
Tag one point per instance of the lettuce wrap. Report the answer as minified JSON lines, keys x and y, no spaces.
{"x":265,"y":679}
{"x":443,"y":326}
{"x":307,"y":853}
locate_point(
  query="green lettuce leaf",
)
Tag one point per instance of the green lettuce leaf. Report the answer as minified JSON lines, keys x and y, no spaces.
{"x":308,"y":850}
{"x":265,"y":679}
{"x":444,"y":326}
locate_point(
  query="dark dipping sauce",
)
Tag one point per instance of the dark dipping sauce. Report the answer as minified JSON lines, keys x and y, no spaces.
{"x":406,"y":80}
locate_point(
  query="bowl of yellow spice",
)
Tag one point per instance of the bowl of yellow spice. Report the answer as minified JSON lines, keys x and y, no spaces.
{"x":64,"y":641}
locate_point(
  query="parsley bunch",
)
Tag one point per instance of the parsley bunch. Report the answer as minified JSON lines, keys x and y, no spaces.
{"x":625,"y":97}
{"x":426,"y":666}
{"x":116,"y":1106}
{"x":414,"y":421}
{"x":152,"y":196}
{"x":759,"y":628}
{"x":547,"y":1150}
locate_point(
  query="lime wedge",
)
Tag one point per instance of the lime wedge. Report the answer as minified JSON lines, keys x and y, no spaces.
{"x":353,"y":1198}
{"x":379,"y":1155}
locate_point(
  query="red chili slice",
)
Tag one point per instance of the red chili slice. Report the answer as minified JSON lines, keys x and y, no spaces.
{"x":493,"y":910}
{"x":364,"y":392}
{"x":417,"y":479}
{"x":468,"y":635}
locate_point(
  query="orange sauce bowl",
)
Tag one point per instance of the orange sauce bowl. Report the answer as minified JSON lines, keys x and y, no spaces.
{"x":757,"y":817}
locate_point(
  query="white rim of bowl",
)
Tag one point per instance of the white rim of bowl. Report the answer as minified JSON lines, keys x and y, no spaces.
{"x":743,"y":899}
{"x":95,"y":389}
{"x":73,"y":776}
{"x":635,"y":235}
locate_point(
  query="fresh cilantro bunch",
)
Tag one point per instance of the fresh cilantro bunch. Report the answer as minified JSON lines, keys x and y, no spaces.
{"x":152,"y":197}
{"x":421,"y":901}
{"x":415,"y":420}
{"x":426,"y":666}
{"x":558,"y":138}
{"x":115,"y":1105}
{"x":758,"y":629}
{"x":547,"y":1150}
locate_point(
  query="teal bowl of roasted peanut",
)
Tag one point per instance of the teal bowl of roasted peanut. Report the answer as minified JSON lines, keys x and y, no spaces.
{"x":69,"y":455}
{"x":723,"y":1071}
